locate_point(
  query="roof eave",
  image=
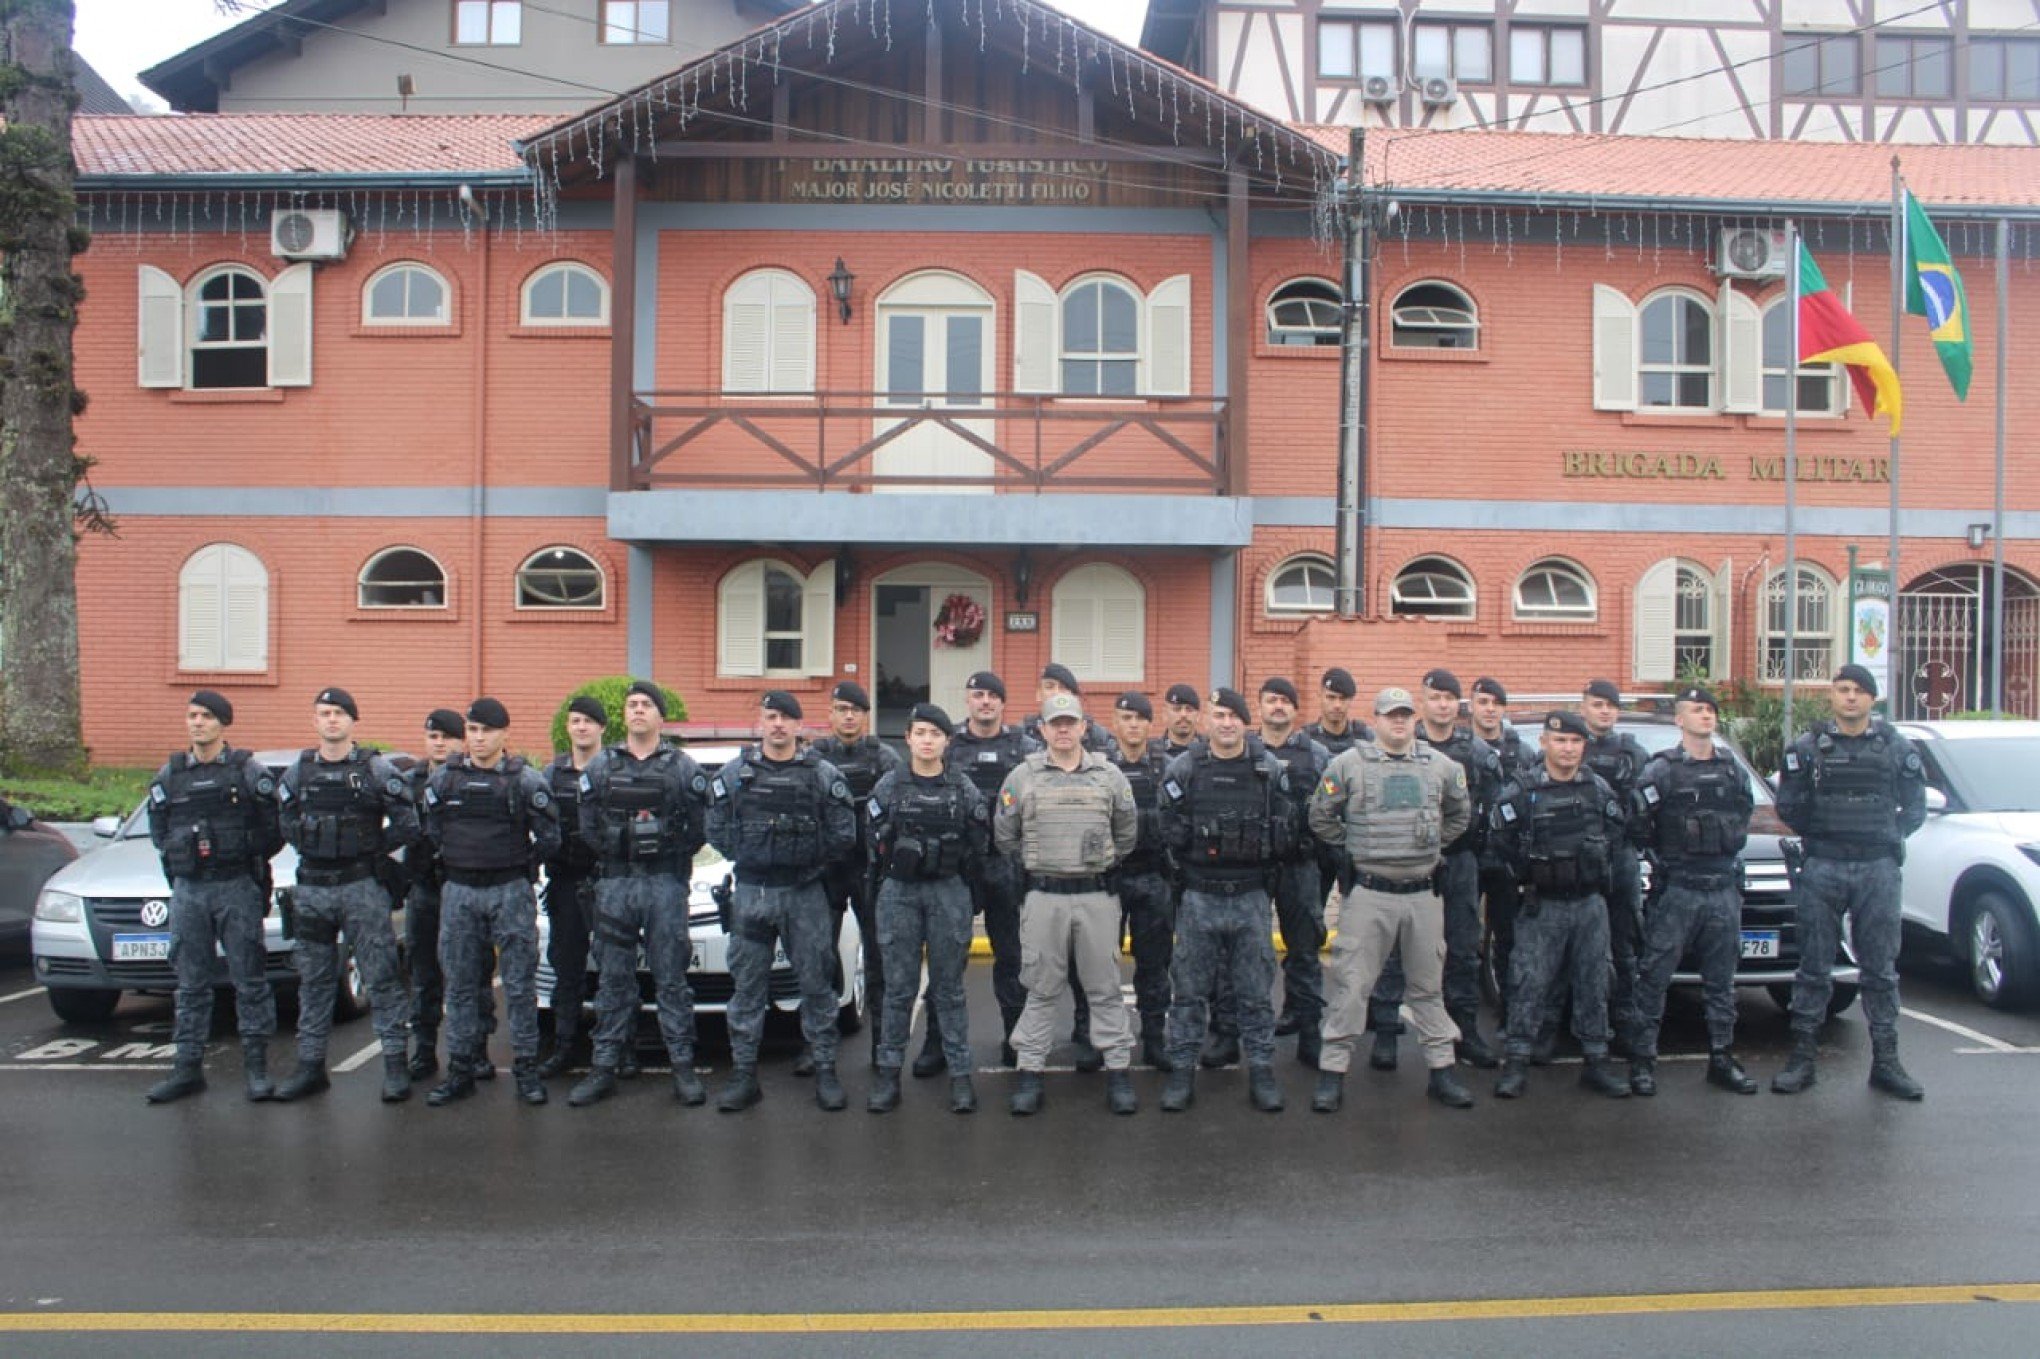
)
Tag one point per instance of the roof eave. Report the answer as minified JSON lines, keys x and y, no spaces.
{"x":373,"y":179}
{"x":1722,"y":207}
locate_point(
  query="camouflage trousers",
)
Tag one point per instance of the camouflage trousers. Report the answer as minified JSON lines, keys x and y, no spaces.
{"x":1150,"y":907}
{"x":1624,"y":900}
{"x":647,"y":910}
{"x":227,"y":914}
{"x":428,"y":982}
{"x":1708,"y":921}
{"x":913,"y":918}
{"x":1559,"y":942}
{"x":1222,"y":939}
{"x":798,"y":918}
{"x":570,"y":912}
{"x":361,"y":911}
{"x":502,"y":916}
{"x":1300,"y":915}
{"x":1459,"y":881}
{"x":1865,"y":891}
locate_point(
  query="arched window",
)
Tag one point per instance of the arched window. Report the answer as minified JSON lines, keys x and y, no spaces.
{"x":229,"y":329}
{"x":1432,"y":587}
{"x":401,"y":578}
{"x":1101,"y":339}
{"x":1812,"y":649}
{"x":560,"y":578}
{"x":565,"y":294}
{"x":769,"y":333}
{"x":1306,"y":311}
{"x":1675,"y":332}
{"x":1818,"y":385}
{"x":1433,"y":316}
{"x":1099,"y":625}
{"x":1680,"y":619}
{"x":223,"y":610}
{"x":773,"y":619}
{"x":405,"y":295}
{"x":1555,"y":590}
{"x":1303,"y":584}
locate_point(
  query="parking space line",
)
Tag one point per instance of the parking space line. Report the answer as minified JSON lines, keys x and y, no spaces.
{"x":24,"y":995}
{"x":85,"y":1066}
{"x":1997,"y":1052}
{"x":360,"y":1059}
{"x":1959,"y":1030}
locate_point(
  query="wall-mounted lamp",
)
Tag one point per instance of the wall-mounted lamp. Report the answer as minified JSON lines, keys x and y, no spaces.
{"x":846,"y":575}
{"x":1979,"y":534}
{"x":840,"y":279}
{"x":1023,"y":577}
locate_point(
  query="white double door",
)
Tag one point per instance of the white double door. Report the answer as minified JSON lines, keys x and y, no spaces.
{"x":935,"y":343}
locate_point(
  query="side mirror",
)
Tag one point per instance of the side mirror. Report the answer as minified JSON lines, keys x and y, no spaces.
{"x":106,"y":827}
{"x":19,"y":818}
{"x":1937,"y":802}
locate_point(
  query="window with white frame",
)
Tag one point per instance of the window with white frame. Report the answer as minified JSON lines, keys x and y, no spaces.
{"x":1433,"y":316}
{"x":1101,"y":339}
{"x":636,"y":22}
{"x":1547,"y":54}
{"x":401,"y":578}
{"x":1357,"y":49}
{"x":1555,"y":591}
{"x":488,"y":23}
{"x":405,"y":295}
{"x":2004,"y":69}
{"x":230,"y":330}
{"x":773,"y":619}
{"x":1811,"y":611}
{"x":560,"y":578}
{"x":1675,"y":332}
{"x":1462,"y":51}
{"x":769,"y":333}
{"x":223,"y":610}
{"x":1817,"y":387}
{"x":1307,"y":311}
{"x":227,"y":327}
{"x":1098,"y":624}
{"x":1820,"y":65}
{"x":1680,"y":614}
{"x":565,"y":294}
{"x":1303,"y":584}
{"x":1432,"y":587}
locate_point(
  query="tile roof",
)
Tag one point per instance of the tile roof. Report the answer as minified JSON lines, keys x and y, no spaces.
{"x":1691,"y":170}
{"x":269,"y":144}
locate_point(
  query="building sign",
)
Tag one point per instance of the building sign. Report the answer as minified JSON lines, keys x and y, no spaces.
{"x":1603,"y":464}
{"x":941,"y":179}
{"x":1027,"y":621}
{"x":1870,"y":623}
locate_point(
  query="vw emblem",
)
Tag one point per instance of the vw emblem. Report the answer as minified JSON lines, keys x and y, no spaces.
{"x":155,"y":914}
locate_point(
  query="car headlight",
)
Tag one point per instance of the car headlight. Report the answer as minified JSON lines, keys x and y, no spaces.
{"x":2031,"y":851}
{"x":60,"y":908}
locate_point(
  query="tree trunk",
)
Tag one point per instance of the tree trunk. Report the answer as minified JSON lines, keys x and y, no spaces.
{"x":39,"y":470}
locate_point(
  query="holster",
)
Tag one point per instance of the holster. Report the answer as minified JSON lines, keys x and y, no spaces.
{"x":317,"y":929}
{"x":724,"y":894}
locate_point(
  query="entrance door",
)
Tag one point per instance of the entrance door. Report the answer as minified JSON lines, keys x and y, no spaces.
{"x":1945,"y":633}
{"x":934,"y":354}
{"x":912,"y":664}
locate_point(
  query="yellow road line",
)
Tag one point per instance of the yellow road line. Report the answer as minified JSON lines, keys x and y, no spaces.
{"x":1130,"y":1318}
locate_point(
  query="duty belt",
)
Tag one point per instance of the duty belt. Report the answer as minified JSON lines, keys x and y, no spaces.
{"x":485,"y":877}
{"x":777,"y":877}
{"x":1399,"y":887}
{"x":1702,"y":882}
{"x":1223,"y":887}
{"x":1851,"y":851}
{"x":334,"y":874}
{"x":1066,"y":887}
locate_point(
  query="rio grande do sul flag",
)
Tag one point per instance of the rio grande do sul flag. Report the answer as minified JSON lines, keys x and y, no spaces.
{"x":1829,"y":334}
{"x":1934,"y":290}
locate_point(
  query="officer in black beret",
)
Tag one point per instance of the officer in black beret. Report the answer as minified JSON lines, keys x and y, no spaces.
{"x":1182,"y":718}
{"x":570,"y":884}
{"x":1487,"y":708}
{"x":1335,"y":728}
{"x":1057,"y":678}
{"x":863,"y":760}
{"x":1146,"y":894}
{"x":445,"y":733}
{"x":1618,"y":759}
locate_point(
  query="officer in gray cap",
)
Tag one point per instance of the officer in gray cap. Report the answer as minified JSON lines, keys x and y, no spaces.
{"x":782,"y":815}
{"x":929,"y":829}
{"x":1855,"y":789}
{"x":212,"y":816}
{"x":862,"y":759}
{"x":345,"y":809}
{"x":1556,"y":826}
{"x":445,"y":731}
{"x":1393,"y":806}
{"x":1691,"y":816}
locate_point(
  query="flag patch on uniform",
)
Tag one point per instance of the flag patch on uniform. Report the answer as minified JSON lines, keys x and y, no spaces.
{"x":1792,"y":760}
{"x":1005,"y":797}
{"x":1331,"y":788}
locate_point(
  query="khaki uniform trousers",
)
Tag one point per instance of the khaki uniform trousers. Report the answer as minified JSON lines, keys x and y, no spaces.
{"x":1371,"y":925}
{"x":1057,"y":930}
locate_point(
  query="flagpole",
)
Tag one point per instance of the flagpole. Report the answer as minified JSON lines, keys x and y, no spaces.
{"x":1793,"y":247}
{"x":1899,"y":680}
{"x":1997,"y":517}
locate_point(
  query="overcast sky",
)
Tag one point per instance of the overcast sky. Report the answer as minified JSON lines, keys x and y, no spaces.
{"x":123,"y":37}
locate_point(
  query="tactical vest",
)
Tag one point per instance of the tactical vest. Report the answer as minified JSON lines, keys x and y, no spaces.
{"x":206,"y":816}
{"x":1610,"y":757}
{"x":858,"y":764}
{"x":421,"y":857}
{"x":931,"y":825}
{"x":1339,"y":743}
{"x":1703,"y":818}
{"x":1304,"y":767}
{"x":640,"y":814}
{"x":1230,"y":822}
{"x":987,"y":760}
{"x":339,"y":808}
{"x":1066,"y":828}
{"x":778,"y":814}
{"x":1566,"y":841}
{"x":1395,"y":819}
{"x":575,"y":858}
{"x":1144,"y":776}
{"x":1482,"y":783}
{"x":1852,"y":784}
{"x":482,"y":824}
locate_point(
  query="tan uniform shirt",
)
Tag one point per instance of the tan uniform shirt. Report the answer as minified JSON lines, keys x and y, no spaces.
{"x":1069,"y":823}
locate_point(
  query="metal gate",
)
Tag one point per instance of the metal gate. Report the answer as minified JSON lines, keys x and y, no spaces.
{"x":1945,"y":650}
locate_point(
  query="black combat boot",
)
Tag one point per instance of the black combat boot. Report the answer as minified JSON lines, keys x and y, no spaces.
{"x":1330,"y":1092}
{"x":1643,"y":1076}
{"x":424,"y":1052}
{"x":930,"y":1061}
{"x":627,"y":1065}
{"x":1725,"y":1071}
{"x":530,"y":1089}
{"x":255,"y":1071}
{"x":1154,"y":1043}
{"x":1179,"y":1092}
{"x":1310,"y":1045}
{"x":1027,"y":1094}
{"x":309,"y":1079}
{"x":962,"y":1095}
{"x":1472,"y":1049}
{"x":480,"y":1068}
{"x":1888,"y":1075}
{"x":1445,"y":1087}
{"x":458,"y":1085}
{"x":828,"y":1089}
{"x":569,"y":1051}
{"x":396,"y":1078}
{"x":1088,"y":1058}
{"x":740,"y":1091}
{"x":804,"y":1065}
{"x":1544,"y":1048}
{"x":1264,"y":1092}
{"x":1514,"y":1082}
{"x":1598,"y":1076}
{"x":885,"y":1090}
{"x":1220,"y":1049}
{"x":1119,"y":1096}
{"x":1288,"y":1024}
{"x":187,"y":1077}
{"x":1383,"y":1058}
{"x":598,"y":1085}
{"x":687,"y":1086}
{"x":1798,"y":1073}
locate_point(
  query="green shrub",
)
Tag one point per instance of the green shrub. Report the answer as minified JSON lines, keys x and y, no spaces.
{"x":1754,"y":719}
{"x":609,"y":692}
{"x":105,"y":791}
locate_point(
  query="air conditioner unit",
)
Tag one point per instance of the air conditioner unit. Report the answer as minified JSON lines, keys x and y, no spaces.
{"x":308,"y":233}
{"x":1378,"y":89}
{"x":1439,"y":92}
{"x":1751,"y":252}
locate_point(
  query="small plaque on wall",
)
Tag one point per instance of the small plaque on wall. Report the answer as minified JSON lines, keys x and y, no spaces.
{"x":1023,"y":621}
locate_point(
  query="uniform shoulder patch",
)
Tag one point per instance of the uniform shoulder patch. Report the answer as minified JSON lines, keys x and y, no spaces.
{"x":700,"y":784}
{"x":394,"y":786}
{"x":840,"y":791}
{"x":1650,"y":794}
{"x":587,"y":788}
{"x":1792,"y":761}
{"x":157,"y":795}
{"x":874,"y":809}
{"x":1005,"y":797}
{"x":540,"y":798}
{"x":1912,"y":762}
{"x":266,"y":786}
{"x":1507,"y":811}
{"x":718,"y":790}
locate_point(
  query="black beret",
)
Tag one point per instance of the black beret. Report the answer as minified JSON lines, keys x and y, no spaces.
{"x":650,"y":691}
{"x":1695,"y":693}
{"x":1132,"y":701}
{"x":1231,"y":699}
{"x":1275,"y":684}
{"x":928,"y":712}
{"x":1339,"y":680}
{"x":987,"y":681}
{"x":1602,"y":688}
{"x":489,"y":712}
{"x":335,"y":697}
{"x":1443,"y":680}
{"x":591,"y":708}
{"x":852,"y":693}
{"x":1183,"y":695}
{"x":447,"y":722}
{"x":1492,"y":687}
{"x":216,"y":704}
{"x":1568,"y":723}
{"x":779,"y":701}
{"x":1859,"y":677}
{"x":1061,"y":674}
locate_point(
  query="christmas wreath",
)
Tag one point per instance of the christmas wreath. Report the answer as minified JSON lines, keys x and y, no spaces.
{"x":960,"y":623}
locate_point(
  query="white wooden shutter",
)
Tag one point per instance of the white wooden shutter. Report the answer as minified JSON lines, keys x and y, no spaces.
{"x":1724,"y":622}
{"x":1122,"y":639}
{"x":793,"y":337}
{"x":1037,"y":342}
{"x":1741,"y":372}
{"x":1655,"y":614}
{"x":290,"y":327}
{"x":1614,"y":350}
{"x":740,"y":621}
{"x":159,"y":327}
{"x":245,"y":592}
{"x":1168,"y":348}
{"x":747,"y":335}
{"x":1098,"y":626}
{"x":1073,"y":631}
{"x":818,"y":620}
{"x":200,"y":611}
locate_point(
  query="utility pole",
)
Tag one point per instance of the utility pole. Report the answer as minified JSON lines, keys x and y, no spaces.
{"x":1350,"y":596}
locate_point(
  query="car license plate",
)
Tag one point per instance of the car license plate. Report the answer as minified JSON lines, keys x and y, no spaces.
{"x":141,"y":948}
{"x":1760,"y":943}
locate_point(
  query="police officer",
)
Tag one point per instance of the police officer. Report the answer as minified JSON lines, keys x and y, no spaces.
{"x":1299,"y":888}
{"x":929,"y":828}
{"x":1392,"y":806}
{"x":862,"y":759}
{"x":570,"y":888}
{"x":1182,"y":719}
{"x":212,"y":816}
{"x":1487,"y":711}
{"x":1854,"y":789}
{"x":1067,"y":816}
{"x":1335,"y":728}
{"x":1690,"y":817}
{"x":493,"y":819}
{"x":1228,"y":814}
{"x":1617,"y":759}
{"x":986,"y":750}
{"x":1144,"y":875}
{"x":445,"y":730}
{"x":344,"y":809}
{"x":642,"y":807}
{"x":783,"y":817}
{"x":1057,"y":678}
{"x":1458,"y":882}
{"x":1555,"y":825}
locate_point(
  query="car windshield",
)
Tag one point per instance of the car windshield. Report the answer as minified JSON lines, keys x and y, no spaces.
{"x":1654,"y":737}
{"x":1995,"y":774}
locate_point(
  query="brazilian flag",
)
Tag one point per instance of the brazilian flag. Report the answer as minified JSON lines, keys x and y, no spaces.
{"x":1934,"y":290}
